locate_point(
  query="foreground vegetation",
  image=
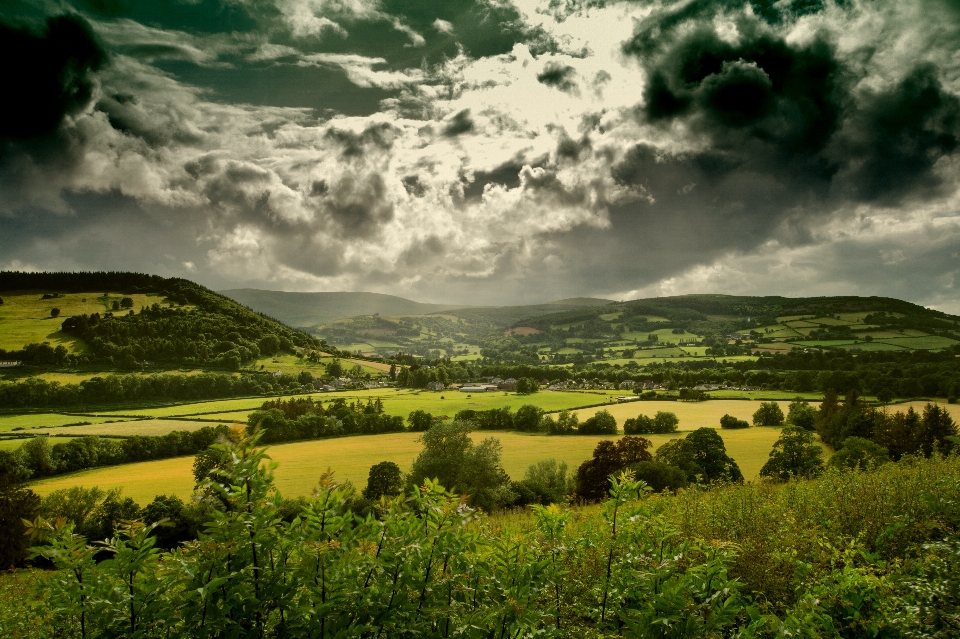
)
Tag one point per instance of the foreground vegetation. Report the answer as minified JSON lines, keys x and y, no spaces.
{"x":853,"y":553}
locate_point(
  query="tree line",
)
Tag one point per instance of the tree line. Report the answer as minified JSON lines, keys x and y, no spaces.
{"x":35,"y":392}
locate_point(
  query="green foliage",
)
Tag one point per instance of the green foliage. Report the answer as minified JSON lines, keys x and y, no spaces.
{"x":546,"y":482}
{"x":660,"y":476}
{"x":900,"y":433}
{"x":846,"y":555}
{"x":450,"y":458}
{"x":385,"y":480}
{"x":729,"y":421}
{"x":663,"y":422}
{"x":602,"y":423}
{"x":94,"y":513}
{"x":419,"y":420}
{"x":609,"y":458}
{"x":567,"y":423}
{"x":302,"y":418}
{"x":527,"y":418}
{"x":802,"y":414}
{"x":527,"y":386}
{"x":17,"y":503}
{"x":769,"y":414}
{"x":98,"y":391}
{"x":702,"y":455}
{"x":795,"y":454}
{"x":861,"y":453}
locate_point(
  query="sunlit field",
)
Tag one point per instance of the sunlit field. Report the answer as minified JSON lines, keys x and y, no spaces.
{"x":141,"y":427}
{"x":30,"y":421}
{"x":25,"y":318}
{"x":301,"y":463}
{"x":692,"y":415}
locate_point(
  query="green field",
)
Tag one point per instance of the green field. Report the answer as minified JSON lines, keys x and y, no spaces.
{"x":46,"y":420}
{"x":300,"y":464}
{"x":143,"y":427}
{"x":927,"y":342}
{"x":25,"y":318}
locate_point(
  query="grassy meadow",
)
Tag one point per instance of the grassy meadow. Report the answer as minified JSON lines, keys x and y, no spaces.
{"x":9,"y":423}
{"x":25,"y":317}
{"x":692,"y":415}
{"x":301,"y":463}
{"x":139,"y":427}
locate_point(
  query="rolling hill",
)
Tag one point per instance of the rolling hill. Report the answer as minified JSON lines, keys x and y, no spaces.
{"x":127,"y":319}
{"x":310,"y":310}
{"x":313,"y":309}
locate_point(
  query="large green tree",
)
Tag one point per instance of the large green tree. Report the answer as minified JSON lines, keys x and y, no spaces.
{"x":450,"y":456}
{"x":701,"y":454}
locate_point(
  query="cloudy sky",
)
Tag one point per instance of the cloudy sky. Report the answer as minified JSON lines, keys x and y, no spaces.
{"x":488,"y":151}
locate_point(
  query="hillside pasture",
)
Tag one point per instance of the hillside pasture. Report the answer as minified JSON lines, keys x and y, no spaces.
{"x":25,"y":317}
{"x":926,"y":342}
{"x":301,"y":463}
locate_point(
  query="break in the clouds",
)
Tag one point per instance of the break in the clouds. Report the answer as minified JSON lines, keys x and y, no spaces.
{"x":487,"y":151}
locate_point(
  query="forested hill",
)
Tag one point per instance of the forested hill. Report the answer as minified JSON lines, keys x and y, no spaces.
{"x":181,"y":322}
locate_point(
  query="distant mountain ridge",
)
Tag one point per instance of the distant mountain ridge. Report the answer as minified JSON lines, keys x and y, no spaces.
{"x":314,"y":309}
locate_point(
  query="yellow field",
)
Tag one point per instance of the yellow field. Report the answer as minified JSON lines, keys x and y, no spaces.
{"x":692,"y":415}
{"x":300,"y":464}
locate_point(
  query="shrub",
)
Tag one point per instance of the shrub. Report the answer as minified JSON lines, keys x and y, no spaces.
{"x":769,"y":414}
{"x":547,"y":482}
{"x":729,"y":421}
{"x":639,"y":425}
{"x":858,"y":452}
{"x":602,"y":423}
{"x":450,"y":457}
{"x":17,"y":502}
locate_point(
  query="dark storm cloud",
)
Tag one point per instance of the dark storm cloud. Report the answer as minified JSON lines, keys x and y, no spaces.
{"x":558,"y":76}
{"x":793,"y":108}
{"x":459,"y":124}
{"x":359,"y":205}
{"x":378,"y":137}
{"x":46,"y":75}
{"x":896,"y":138}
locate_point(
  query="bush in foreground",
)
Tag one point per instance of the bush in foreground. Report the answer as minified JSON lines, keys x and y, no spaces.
{"x":809,"y":558}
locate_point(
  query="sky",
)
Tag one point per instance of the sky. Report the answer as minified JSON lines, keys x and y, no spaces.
{"x":488,"y":151}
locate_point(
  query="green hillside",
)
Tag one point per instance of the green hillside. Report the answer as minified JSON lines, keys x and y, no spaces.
{"x":130,"y":320}
{"x":706,"y":326}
